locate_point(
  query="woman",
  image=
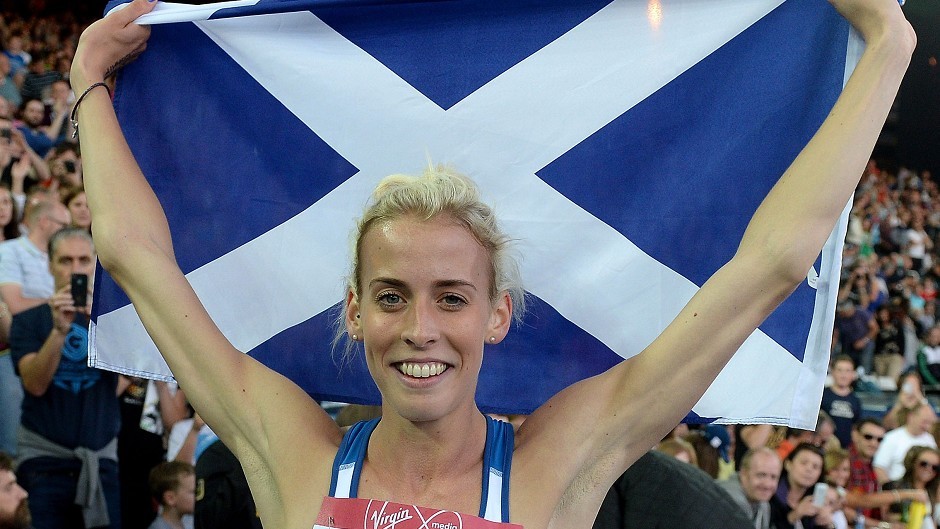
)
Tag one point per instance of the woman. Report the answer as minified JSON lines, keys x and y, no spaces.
{"x":9,"y":230}
{"x":802,"y":470}
{"x":76,"y":201}
{"x":430,"y":287}
{"x":921,"y":466}
{"x":836,"y":466}
{"x":9,"y":215}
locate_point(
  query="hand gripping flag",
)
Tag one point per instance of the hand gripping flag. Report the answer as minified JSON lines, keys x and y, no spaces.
{"x":625,"y":144}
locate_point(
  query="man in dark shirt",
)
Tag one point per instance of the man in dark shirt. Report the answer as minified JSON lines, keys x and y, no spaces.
{"x":41,"y":138}
{"x":857,"y":329}
{"x":70,"y":414}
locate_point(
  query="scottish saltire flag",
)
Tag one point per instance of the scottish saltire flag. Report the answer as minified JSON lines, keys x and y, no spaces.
{"x":624,"y":143}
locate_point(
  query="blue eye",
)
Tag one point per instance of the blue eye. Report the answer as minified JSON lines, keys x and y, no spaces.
{"x":389,"y":299}
{"x":453,"y":301}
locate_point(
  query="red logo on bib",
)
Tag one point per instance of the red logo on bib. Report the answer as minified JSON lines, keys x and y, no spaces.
{"x":361,"y":513}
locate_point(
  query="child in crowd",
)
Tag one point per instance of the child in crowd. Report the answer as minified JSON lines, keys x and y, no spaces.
{"x":173,"y":485}
{"x":839,"y":401}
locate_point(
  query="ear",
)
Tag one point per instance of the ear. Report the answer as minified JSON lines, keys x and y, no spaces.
{"x":169,"y":498}
{"x":353,"y":321}
{"x":500,"y":319}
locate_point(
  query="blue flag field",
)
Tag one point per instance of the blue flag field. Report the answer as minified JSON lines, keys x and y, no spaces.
{"x":624,"y":144}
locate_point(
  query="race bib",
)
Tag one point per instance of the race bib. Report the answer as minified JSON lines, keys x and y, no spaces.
{"x":362,"y":513}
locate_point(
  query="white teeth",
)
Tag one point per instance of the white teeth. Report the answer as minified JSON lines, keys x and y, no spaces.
{"x":422,"y":370}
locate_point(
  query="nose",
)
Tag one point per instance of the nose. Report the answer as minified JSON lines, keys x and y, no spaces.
{"x":421,"y":329}
{"x":21,"y":491}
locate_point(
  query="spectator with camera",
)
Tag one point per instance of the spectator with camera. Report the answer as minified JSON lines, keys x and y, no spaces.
{"x":71,"y":412}
{"x":65,"y":167}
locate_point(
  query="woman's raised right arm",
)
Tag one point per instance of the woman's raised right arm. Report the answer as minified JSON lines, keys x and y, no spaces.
{"x":133,"y":241}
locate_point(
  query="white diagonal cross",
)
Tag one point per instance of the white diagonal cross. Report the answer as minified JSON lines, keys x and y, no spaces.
{"x":500,"y":135}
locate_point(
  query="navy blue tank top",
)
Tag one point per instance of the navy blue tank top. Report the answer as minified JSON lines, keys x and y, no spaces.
{"x":497,"y":459}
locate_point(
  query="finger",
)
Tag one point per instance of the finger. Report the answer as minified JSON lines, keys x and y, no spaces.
{"x":126,"y":15}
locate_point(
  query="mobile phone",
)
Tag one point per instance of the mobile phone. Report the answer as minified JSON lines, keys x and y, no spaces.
{"x":80,"y":289}
{"x":819,"y":494}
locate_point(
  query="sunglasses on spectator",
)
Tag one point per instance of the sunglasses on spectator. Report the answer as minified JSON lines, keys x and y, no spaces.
{"x":869,"y":437}
{"x":927,"y":464}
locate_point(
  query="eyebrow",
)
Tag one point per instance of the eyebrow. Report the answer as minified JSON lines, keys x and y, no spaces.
{"x":438,"y":284}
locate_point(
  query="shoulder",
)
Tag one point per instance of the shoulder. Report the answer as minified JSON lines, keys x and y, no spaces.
{"x":895,"y":438}
{"x":11,"y":249}
{"x":33,"y":316}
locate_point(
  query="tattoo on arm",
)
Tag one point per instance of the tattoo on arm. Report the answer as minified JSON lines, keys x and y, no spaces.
{"x":122,"y":62}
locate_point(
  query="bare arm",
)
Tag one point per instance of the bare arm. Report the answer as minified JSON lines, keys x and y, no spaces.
{"x":172,"y":406}
{"x":37,"y":369}
{"x":187,"y":451}
{"x":6,"y":320}
{"x":60,"y":112}
{"x":882,"y":474}
{"x":283,"y":432}
{"x":756,"y":435}
{"x":30,"y":160}
{"x":636,"y":402}
{"x":884,"y":498}
{"x":12,"y":295}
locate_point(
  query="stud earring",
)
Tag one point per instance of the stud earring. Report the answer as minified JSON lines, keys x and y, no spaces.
{"x":492,"y":339}
{"x":355,"y":337}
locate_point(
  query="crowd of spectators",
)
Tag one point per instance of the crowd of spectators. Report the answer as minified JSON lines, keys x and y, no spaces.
{"x":141,"y":437}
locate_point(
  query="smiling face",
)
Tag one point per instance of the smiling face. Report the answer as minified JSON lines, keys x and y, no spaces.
{"x":843,"y":374}
{"x":804,"y":469}
{"x":760,"y":477}
{"x":926,"y":466}
{"x":866,"y":439}
{"x":839,"y":474}
{"x":424,"y":313}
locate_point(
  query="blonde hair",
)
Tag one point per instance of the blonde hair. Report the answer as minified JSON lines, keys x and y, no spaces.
{"x":833,"y":458}
{"x":439,"y":191}
{"x":674,"y":447}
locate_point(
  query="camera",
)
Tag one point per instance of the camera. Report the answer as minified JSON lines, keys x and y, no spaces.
{"x":80,"y":289}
